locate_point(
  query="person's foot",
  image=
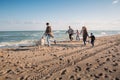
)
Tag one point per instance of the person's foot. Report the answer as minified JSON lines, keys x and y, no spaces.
{"x":48,"y":45}
{"x":84,"y":43}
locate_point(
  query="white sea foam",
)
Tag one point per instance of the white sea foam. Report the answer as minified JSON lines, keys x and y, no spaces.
{"x":103,"y":33}
{"x":18,"y":44}
{"x":118,"y":32}
{"x":37,"y":34}
{"x":56,"y":31}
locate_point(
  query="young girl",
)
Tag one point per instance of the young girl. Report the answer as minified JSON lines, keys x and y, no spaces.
{"x":77,"y":35}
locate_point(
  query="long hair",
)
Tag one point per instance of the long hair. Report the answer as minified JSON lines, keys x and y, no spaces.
{"x":84,"y":29}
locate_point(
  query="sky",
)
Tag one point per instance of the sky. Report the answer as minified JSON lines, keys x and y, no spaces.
{"x":19,"y":15}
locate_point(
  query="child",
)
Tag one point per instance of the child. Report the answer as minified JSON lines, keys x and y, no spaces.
{"x":42,"y":41}
{"x":77,"y":35}
{"x":92,"y":39}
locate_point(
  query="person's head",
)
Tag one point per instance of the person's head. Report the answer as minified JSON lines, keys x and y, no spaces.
{"x":42,"y":37}
{"x":69,"y":27}
{"x":47,"y":23}
{"x":84,"y":28}
{"x":91,"y":34}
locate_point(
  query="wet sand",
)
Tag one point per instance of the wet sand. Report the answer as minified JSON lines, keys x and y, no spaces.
{"x":64,"y":61}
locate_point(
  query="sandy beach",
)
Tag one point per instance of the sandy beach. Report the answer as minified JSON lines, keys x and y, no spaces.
{"x":64,"y":61}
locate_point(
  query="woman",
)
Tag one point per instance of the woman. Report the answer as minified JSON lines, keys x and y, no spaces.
{"x":84,"y":33}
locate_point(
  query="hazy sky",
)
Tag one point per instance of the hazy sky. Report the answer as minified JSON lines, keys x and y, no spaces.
{"x":33,"y":14}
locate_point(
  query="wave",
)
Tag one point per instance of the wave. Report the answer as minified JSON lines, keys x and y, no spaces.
{"x":59,"y":31}
{"x":18,"y":44}
{"x":118,"y":32}
{"x":4,"y":35}
{"x":103,"y":33}
{"x":56,"y":31}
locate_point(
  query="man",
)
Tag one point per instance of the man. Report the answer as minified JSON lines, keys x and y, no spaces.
{"x":48,"y":33}
{"x":70,"y":32}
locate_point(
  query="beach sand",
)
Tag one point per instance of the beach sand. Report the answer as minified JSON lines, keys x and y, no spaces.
{"x":64,"y":61}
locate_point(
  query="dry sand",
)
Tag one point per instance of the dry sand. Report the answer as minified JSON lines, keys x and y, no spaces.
{"x":63,"y":61}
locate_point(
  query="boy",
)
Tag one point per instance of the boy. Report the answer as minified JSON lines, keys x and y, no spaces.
{"x":92,"y":39}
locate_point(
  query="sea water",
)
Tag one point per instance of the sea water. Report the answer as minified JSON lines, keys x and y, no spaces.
{"x":29,"y":38}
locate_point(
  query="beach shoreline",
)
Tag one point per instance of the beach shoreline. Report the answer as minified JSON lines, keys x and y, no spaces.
{"x":14,"y":39}
{"x":64,"y":61}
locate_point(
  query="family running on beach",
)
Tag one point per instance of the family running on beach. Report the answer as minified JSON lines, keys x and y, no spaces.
{"x":49,"y":34}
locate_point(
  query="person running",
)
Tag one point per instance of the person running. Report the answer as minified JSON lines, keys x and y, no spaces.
{"x":84,"y":34}
{"x":77,"y":35}
{"x":92,"y":39}
{"x":70,"y":32}
{"x":48,"y":33}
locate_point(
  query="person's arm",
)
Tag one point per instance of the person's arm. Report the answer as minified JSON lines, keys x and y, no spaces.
{"x":66,"y":31}
{"x":81,"y":32}
{"x":94,"y":37}
{"x":50,"y":29}
{"x":87,"y":34}
{"x":46,"y":30}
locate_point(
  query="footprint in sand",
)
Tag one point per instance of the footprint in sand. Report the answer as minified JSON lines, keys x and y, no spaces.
{"x":10,"y":71}
{"x":106,"y":76}
{"x":108,"y":59}
{"x":60,"y":78}
{"x":72,"y":78}
{"x":63,"y":72}
{"x":115,"y":64}
{"x":117,"y":54}
{"x":114,"y":70}
{"x":78,"y":78}
{"x":21,"y":78}
{"x":106,"y":69}
{"x":113,"y":56}
{"x":101,"y":57}
{"x":88,"y":69}
{"x":8,"y":78}
{"x":88,"y":64}
{"x":96,"y":76}
{"x":68,"y":60}
{"x":97,"y":60}
{"x":116,"y":78}
{"x":77,"y":69}
{"x":100,"y":74}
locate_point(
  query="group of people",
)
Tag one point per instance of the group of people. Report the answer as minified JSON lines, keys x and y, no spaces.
{"x":84,"y":35}
{"x":48,"y":33}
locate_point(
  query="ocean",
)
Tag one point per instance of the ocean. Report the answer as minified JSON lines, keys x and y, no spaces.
{"x":14,"y":39}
